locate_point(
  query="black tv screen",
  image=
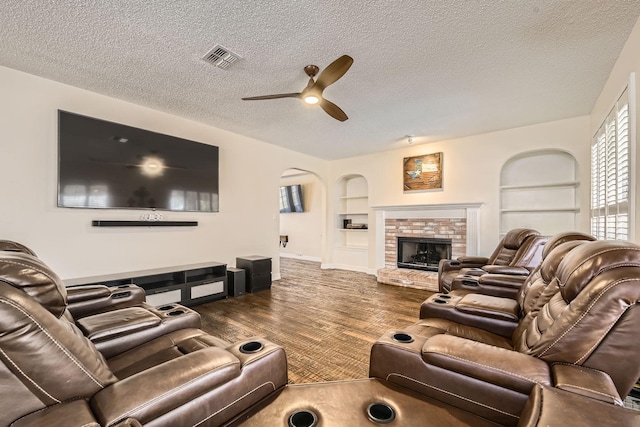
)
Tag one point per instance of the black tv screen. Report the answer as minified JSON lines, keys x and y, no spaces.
{"x":106,"y":165}
{"x":291,"y":199}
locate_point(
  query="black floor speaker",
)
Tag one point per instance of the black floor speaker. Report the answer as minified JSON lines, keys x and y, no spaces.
{"x":236,"y":278}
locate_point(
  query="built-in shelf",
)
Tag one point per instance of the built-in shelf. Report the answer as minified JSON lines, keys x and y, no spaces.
{"x":351,"y":245}
{"x":570,"y":184}
{"x":110,"y":223}
{"x":547,"y":202}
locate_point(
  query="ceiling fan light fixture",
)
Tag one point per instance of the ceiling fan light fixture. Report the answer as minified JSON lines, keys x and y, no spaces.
{"x":311,"y":99}
{"x":312,"y":93}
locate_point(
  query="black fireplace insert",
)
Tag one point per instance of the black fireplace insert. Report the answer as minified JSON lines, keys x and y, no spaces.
{"x":422,"y":253}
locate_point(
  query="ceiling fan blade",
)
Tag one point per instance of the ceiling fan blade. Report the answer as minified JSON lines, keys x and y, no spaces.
{"x":333,"y":72}
{"x":280,"y":95}
{"x":333,"y":110}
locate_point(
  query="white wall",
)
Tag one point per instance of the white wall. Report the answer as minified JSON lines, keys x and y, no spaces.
{"x":250,"y":172}
{"x":471,"y":171}
{"x":628,"y":62}
{"x":305,"y":229}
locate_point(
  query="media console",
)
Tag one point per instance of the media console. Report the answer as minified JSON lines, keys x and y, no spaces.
{"x":188,"y":284}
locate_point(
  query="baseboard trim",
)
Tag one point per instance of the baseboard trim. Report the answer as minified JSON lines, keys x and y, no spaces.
{"x":302,"y":257}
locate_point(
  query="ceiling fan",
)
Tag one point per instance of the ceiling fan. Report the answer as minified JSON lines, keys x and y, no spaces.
{"x":312,"y":94}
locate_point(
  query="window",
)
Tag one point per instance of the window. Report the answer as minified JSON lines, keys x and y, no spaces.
{"x":610,"y":175}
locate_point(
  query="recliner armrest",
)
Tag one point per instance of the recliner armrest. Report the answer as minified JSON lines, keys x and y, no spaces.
{"x":476,"y":260}
{"x":93,"y":299}
{"x":489,"y":307}
{"x":462,"y":262}
{"x":587,"y":382}
{"x":506,"y":269}
{"x":505,"y":368}
{"x":155,"y":391}
{"x":85,"y":293}
{"x":548,"y":406}
{"x":502,"y":280}
{"x":498,"y":285}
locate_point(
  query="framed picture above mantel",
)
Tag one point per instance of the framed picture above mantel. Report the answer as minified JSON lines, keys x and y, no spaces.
{"x":422,"y":173}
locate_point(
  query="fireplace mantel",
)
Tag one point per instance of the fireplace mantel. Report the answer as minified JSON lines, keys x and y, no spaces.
{"x":469,"y":211}
{"x":440,"y":206}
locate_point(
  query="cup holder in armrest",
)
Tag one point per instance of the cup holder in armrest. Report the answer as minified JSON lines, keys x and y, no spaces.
{"x":166,"y":307}
{"x":381,"y":413}
{"x":403,"y":338}
{"x":122,"y":286}
{"x":118,"y":295}
{"x":443,"y":296}
{"x":304,"y":418}
{"x":469,"y":282}
{"x":176,"y":312}
{"x":251,"y":347}
{"x":439,"y":301}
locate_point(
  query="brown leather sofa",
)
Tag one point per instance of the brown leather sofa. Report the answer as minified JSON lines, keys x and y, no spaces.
{"x":586,"y":318}
{"x":50,"y":371}
{"x":518,"y":253}
{"x":498,"y":314}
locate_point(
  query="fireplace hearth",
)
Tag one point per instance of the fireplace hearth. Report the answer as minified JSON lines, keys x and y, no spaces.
{"x":422,"y":253}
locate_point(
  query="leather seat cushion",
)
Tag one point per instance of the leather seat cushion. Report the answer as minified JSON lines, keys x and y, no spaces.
{"x":162,"y":349}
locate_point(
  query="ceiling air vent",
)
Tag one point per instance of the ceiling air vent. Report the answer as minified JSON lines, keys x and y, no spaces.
{"x":221,"y":57}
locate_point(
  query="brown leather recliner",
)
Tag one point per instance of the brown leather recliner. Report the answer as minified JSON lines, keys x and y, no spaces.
{"x":11,"y":246}
{"x":495,"y":314}
{"x":50,"y":370}
{"x":109,"y":318}
{"x":518,"y":253}
{"x":587,"y":317}
{"x":498,"y":314}
{"x":508,"y":285}
{"x":87,"y":300}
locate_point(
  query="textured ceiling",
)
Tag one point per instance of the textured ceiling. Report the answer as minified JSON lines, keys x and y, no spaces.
{"x":434,"y":69}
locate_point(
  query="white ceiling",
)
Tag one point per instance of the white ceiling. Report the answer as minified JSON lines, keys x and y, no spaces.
{"x":434,"y":69}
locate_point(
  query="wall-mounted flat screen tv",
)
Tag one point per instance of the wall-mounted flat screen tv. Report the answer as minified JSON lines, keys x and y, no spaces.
{"x":291,"y":199}
{"x":106,"y":165}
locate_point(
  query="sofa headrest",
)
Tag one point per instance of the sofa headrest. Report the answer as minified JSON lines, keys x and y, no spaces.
{"x":561,"y":238}
{"x":32,"y":276}
{"x":549,"y":267}
{"x":587,"y":261}
{"x":516,"y":237}
{"x":8,"y":245}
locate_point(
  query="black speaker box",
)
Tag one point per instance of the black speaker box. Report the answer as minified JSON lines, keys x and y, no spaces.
{"x":236,"y":278}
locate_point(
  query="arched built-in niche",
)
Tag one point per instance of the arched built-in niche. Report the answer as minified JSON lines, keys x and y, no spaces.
{"x":539,"y":190}
{"x":351,"y":248}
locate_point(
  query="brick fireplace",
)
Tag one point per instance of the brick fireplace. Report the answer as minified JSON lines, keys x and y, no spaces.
{"x":459,"y":223}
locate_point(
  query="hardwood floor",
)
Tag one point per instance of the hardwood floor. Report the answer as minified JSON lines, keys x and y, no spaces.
{"x":326,"y":320}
